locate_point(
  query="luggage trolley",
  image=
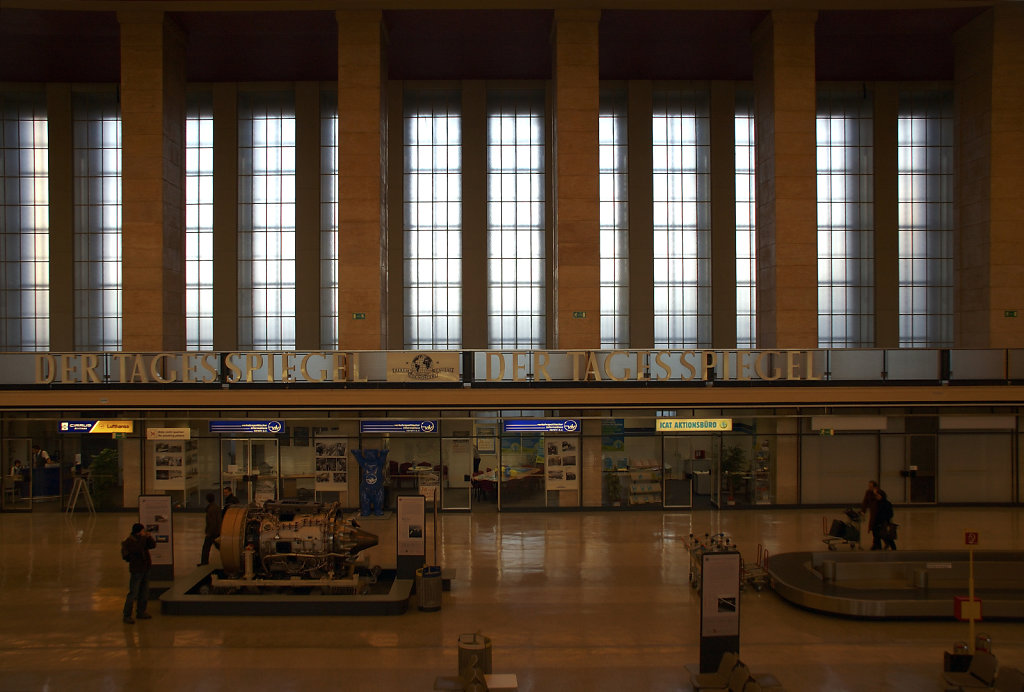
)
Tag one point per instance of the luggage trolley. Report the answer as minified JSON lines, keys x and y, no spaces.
{"x":757,"y":575}
{"x":842,"y":532}
{"x":697,"y":546}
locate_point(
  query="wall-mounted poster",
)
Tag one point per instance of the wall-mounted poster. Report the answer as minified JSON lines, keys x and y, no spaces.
{"x":331,"y":463}
{"x":174,"y":464}
{"x":561,"y":463}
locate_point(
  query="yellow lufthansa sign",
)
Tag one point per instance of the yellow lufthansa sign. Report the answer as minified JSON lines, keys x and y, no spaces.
{"x":694,"y":424}
{"x":113,"y":426}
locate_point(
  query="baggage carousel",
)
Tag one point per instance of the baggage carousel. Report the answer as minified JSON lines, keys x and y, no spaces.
{"x":900,"y":584}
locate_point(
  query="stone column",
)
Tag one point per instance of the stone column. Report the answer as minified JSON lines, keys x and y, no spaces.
{"x":61,"y":209}
{"x":886,"y":189}
{"x":723,"y":215}
{"x":153,"y":182}
{"x":787,"y":257}
{"x":577,"y":216}
{"x":989,"y":244}
{"x":225,"y":217}
{"x":641,"y":214}
{"x":307,"y":216}
{"x":362,"y":253}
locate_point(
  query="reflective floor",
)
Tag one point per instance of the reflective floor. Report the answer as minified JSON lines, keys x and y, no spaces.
{"x":571,"y":601}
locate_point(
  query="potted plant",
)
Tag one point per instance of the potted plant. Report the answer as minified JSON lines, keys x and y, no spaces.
{"x":104,"y":477}
{"x":734,"y":464}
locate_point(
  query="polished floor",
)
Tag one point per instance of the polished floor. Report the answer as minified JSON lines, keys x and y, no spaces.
{"x":571,"y":601}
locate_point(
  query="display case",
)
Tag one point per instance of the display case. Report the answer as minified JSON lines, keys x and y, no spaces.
{"x":763,"y":475}
{"x":644,"y":485}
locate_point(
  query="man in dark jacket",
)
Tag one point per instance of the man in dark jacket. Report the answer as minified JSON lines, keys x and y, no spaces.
{"x":213,"y":516}
{"x":135,"y":551}
{"x":229,"y":499}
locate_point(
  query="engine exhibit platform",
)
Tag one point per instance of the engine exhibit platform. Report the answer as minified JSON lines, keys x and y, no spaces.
{"x":900,"y":584}
{"x":196,"y":595}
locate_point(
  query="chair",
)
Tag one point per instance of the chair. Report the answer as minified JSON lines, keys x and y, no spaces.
{"x":980,"y":674}
{"x":738,"y":678}
{"x":10,"y":489}
{"x":1010,"y":680}
{"x":718,"y":680}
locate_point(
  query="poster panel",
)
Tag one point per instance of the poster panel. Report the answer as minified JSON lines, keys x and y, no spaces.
{"x":169,"y":465}
{"x":720,"y":595}
{"x":331,"y":464}
{"x":411,"y":525}
{"x":155,"y":515}
{"x":561,"y":463}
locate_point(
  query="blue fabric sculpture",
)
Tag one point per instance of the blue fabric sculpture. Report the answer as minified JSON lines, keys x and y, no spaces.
{"x":371,"y":485}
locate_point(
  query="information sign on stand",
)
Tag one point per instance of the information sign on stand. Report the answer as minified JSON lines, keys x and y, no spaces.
{"x":719,"y":608}
{"x":411,"y":543}
{"x":155,"y":515}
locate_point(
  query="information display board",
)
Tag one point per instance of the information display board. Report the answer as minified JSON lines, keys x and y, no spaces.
{"x":719,"y":607}
{"x":331,"y":463}
{"x":561,"y":463}
{"x":155,"y":515}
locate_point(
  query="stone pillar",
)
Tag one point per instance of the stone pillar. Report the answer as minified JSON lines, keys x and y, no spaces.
{"x":153,"y":182}
{"x":362,"y":253}
{"x":723,"y":215}
{"x":225,"y":217}
{"x":577,"y":215}
{"x":641,"y":214}
{"x":989,"y":245}
{"x":307,"y":216}
{"x":787,"y":256}
{"x":886,"y":190}
{"x":61,"y":209}
{"x":474,"y":215}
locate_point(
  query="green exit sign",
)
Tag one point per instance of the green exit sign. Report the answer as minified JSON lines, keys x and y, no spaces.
{"x":359,"y":315}
{"x":579,"y":315}
{"x":1009,"y":313}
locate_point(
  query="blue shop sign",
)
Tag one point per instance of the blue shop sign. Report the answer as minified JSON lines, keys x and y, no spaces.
{"x":397,"y":426}
{"x":545,"y":425}
{"x":76,"y":426}
{"x":255,"y":427}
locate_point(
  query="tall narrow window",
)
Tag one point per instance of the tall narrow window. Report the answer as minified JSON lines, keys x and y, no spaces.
{"x":24,"y":223}
{"x":845,"y":220}
{"x":925,"y":133}
{"x":612,"y":148}
{"x":199,"y":223}
{"x":746,"y":240}
{"x":266,"y":220}
{"x":516,"y":255}
{"x":97,"y":226}
{"x":433,"y":220}
{"x":329,"y":220}
{"x":682,"y":219}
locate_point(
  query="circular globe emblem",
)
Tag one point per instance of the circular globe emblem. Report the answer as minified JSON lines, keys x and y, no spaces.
{"x":571,"y":425}
{"x":274,"y":426}
{"x":427,"y":426}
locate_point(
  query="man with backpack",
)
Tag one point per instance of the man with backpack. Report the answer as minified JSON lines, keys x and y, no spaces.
{"x":135,"y":551}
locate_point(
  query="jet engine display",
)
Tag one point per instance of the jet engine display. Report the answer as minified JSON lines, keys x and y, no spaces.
{"x":290,"y":543}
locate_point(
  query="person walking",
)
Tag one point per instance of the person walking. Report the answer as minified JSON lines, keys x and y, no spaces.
{"x":883,"y":529}
{"x":869,"y":506}
{"x":135,"y":551}
{"x":213,"y":517}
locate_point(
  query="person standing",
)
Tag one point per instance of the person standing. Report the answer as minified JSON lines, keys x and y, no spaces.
{"x":135,"y":551}
{"x":229,"y":499}
{"x":869,"y":506}
{"x":39,"y":457}
{"x":213,"y":517}
{"x":883,"y":530}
